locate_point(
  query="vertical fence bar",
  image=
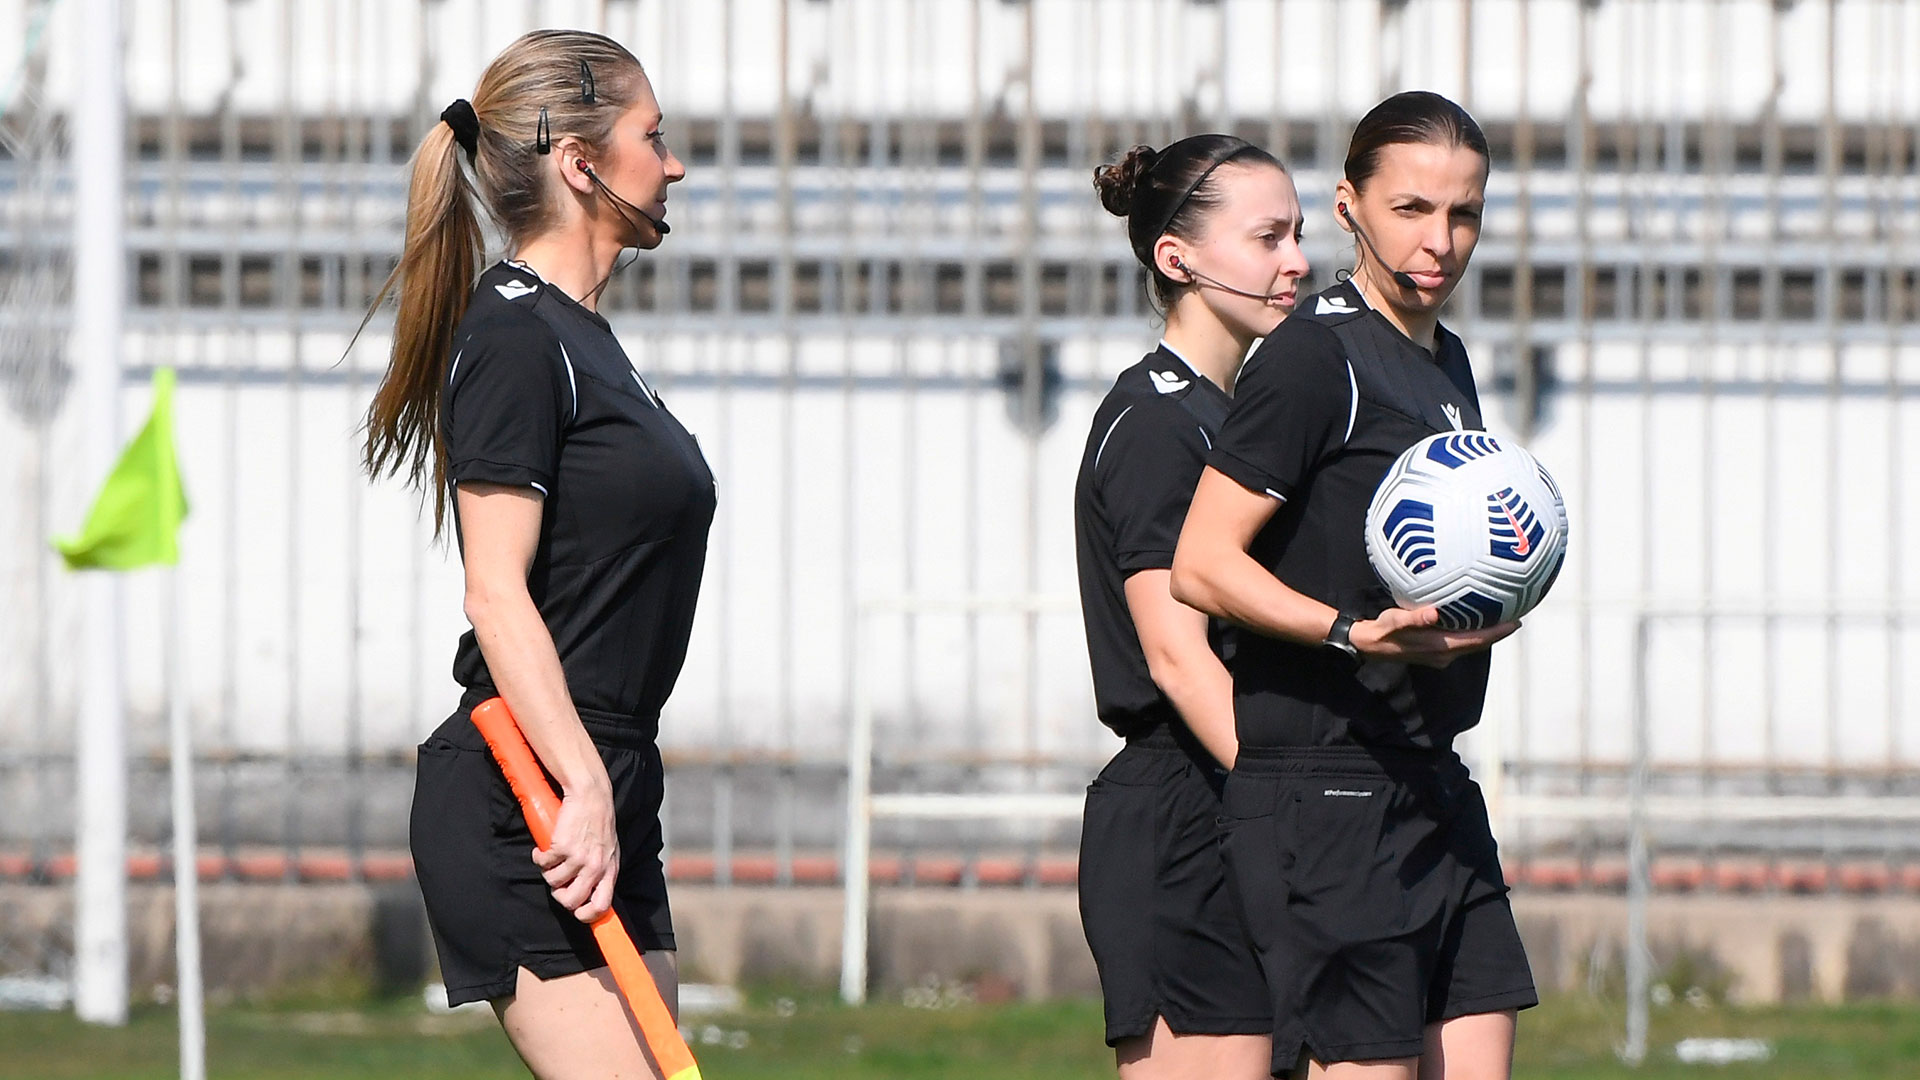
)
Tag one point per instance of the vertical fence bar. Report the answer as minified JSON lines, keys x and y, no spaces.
{"x":785,"y":808}
{"x":1582,"y":162}
{"x":1499,"y":742}
{"x":1772,"y":153}
{"x":374,"y":128}
{"x":1032,"y":405}
{"x":229,"y":120}
{"x":855,"y":862}
{"x":1709,"y":228}
{"x":1829,"y":299}
{"x":1897,"y":299}
{"x":976,"y":388}
{"x":290,"y":151}
{"x":1638,"y":958}
{"x":727,"y":304}
{"x":1645,"y":291}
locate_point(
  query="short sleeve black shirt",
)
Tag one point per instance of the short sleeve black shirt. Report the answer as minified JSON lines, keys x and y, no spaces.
{"x":1321,"y":411}
{"x":539,"y":394}
{"x":1144,"y":455}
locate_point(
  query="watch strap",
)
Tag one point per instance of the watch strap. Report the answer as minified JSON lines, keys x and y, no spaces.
{"x":1339,"y":635}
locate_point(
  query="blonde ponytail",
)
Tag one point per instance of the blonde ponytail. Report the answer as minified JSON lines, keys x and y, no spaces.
{"x":437,"y":266}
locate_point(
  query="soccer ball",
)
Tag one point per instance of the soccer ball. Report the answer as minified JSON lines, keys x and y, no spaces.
{"x":1469,"y":524}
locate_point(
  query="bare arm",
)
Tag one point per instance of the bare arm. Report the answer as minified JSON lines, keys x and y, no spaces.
{"x":1182,"y":662}
{"x":500,"y":530}
{"x":1213,"y":572}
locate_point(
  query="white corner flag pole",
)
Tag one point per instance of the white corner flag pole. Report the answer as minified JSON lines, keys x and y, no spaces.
{"x":100,"y":744}
{"x":186,"y":867}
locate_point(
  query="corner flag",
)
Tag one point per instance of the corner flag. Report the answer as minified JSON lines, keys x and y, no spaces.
{"x":135,"y":520}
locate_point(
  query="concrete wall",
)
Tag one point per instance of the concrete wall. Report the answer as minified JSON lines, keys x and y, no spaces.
{"x":1002,"y":943}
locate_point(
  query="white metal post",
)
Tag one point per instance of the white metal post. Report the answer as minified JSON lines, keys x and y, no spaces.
{"x":863,"y":805}
{"x":854,"y":866}
{"x":1638,"y":958}
{"x":99,"y":265}
{"x":186,"y":864}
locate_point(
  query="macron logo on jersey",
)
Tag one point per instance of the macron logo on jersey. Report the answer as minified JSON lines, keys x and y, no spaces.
{"x":1333,"y":305}
{"x":1167,"y":382}
{"x":514,"y":290}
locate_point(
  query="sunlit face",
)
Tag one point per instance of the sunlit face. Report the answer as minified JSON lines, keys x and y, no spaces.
{"x":638,"y":166}
{"x":1421,"y":208}
{"x":1250,"y":240}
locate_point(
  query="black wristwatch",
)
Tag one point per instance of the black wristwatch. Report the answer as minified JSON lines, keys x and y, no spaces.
{"x":1339,"y":636}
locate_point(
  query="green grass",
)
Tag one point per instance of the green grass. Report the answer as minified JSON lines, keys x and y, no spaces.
{"x":808,"y":1036}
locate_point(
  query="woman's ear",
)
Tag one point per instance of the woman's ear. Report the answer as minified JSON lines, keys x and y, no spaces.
{"x":1343,"y":199}
{"x":1170,"y":258}
{"x":568,"y":156}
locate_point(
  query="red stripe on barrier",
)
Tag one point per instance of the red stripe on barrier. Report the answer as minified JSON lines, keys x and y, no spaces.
{"x":1676,"y":874}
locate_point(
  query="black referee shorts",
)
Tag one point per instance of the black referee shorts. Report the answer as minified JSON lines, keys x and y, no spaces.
{"x":1154,"y":900}
{"x":490,"y":910}
{"x":1373,"y":892}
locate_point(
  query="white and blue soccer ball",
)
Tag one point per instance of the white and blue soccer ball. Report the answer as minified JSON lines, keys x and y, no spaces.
{"x":1470,"y":524}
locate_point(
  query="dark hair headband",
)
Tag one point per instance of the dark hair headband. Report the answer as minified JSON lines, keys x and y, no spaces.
{"x":465,"y":124}
{"x":1174,"y":211}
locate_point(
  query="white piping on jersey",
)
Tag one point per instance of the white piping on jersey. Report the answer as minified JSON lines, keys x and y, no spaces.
{"x":1353,"y":406}
{"x":1203,"y":434}
{"x":455,"y":369}
{"x":652,"y":398}
{"x":1277,"y":495}
{"x":1109,"y":435}
{"x":568,"y":360}
{"x":538,"y":488}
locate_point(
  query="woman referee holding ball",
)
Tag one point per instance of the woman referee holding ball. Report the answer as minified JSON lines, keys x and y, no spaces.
{"x":1216,"y":223}
{"x":1359,"y":848}
{"x":580,"y":507}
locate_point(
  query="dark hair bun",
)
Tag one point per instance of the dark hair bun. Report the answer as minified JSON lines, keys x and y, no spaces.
{"x":1117,"y":182}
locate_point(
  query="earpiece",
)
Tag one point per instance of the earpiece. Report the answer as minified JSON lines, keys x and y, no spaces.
{"x":620,"y":205}
{"x":1195,"y":275}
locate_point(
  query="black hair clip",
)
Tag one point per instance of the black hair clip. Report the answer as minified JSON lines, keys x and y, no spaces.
{"x":542,"y":134}
{"x":586,"y":84}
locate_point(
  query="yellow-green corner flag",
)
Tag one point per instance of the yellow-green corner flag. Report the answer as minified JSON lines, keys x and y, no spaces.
{"x":135,"y":520}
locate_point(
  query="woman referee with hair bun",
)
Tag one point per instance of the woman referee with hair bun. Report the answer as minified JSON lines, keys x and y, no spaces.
{"x":580,"y":507}
{"x":1216,"y":223}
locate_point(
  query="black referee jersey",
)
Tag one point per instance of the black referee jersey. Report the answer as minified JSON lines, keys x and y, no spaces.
{"x":539,"y":394}
{"x":1144,"y":455}
{"x":1321,"y":411}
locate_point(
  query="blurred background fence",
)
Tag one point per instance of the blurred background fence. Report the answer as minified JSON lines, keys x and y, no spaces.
{"x":888,"y":309}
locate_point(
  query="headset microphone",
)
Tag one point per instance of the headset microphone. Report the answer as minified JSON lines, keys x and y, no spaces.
{"x":1223,"y":286}
{"x":1400,"y":277}
{"x":618,"y":202}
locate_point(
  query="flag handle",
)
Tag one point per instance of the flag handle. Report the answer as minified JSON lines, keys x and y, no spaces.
{"x":542,"y":808}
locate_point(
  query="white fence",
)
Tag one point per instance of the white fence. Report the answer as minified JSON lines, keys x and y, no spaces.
{"x":889,"y":308}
